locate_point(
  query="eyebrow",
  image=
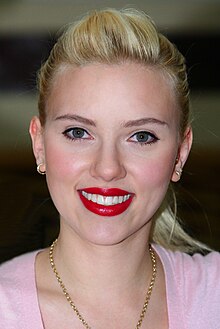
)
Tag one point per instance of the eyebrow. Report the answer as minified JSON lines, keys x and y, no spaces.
{"x":128,"y":124}
{"x":142,"y":121}
{"x":74,"y":117}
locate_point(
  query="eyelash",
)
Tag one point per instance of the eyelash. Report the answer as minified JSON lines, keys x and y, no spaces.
{"x":149,"y":135}
{"x":67,"y":134}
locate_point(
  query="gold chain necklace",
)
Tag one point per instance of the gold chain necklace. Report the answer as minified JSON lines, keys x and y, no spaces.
{"x":75,"y":309}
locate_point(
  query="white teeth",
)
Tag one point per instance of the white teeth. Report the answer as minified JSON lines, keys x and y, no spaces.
{"x":108,"y":200}
{"x":94,"y":198}
{"x":120,"y":199}
{"x":100,"y":199}
{"x":105,"y":200}
{"x":115,"y":200}
{"x":126,"y":197}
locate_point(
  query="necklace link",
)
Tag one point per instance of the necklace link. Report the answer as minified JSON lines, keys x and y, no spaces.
{"x":75,"y":309}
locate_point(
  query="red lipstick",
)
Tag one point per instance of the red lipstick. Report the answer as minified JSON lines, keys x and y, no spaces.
{"x":105,"y":201}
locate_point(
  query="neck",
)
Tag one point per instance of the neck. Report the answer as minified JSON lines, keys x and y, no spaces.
{"x":95,"y":267}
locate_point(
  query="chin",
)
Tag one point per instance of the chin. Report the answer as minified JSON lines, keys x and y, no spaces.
{"x":111,"y":235}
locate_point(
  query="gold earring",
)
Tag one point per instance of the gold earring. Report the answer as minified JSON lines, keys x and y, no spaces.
{"x":179,"y":172}
{"x":41,"y":172}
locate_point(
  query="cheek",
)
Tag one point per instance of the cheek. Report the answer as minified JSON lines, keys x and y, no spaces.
{"x":63,"y":164}
{"x":155,"y":172}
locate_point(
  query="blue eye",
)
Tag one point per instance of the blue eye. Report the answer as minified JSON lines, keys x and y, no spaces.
{"x":76,"y":133}
{"x":143,"y":138}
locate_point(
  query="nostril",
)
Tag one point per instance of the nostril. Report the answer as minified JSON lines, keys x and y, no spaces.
{"x":108,"y":168}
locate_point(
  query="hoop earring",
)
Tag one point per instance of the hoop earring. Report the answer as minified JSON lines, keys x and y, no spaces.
{"x":41,"y":172}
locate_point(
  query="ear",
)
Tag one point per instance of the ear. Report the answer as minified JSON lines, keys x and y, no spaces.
{"x":183,"y":153}
{"x":36,"y":132}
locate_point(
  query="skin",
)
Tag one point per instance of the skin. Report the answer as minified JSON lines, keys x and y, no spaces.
{"x":111,"y":100}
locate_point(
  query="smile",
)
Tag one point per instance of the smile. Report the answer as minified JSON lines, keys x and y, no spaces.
{"x":105,"y":202}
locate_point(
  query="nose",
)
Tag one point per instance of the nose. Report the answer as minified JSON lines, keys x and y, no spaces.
{"x":107,"y":164}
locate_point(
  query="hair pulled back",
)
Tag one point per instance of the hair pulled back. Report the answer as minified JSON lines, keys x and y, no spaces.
{"x":112,"y":37}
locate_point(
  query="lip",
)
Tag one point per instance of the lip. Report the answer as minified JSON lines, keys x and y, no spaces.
{"x":103,"y":210}
{"x":106,"y":191}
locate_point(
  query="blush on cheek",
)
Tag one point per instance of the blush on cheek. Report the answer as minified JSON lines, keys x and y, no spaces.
{"x":61,"y":164}
{"x":156,"y":172}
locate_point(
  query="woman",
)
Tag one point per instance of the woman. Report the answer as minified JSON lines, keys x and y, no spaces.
{"x":113,"y":131}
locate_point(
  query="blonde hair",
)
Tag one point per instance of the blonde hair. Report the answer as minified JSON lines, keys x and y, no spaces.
{"x":112,"y":37}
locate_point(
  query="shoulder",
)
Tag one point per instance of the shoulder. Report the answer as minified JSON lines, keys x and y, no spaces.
{"x":15,"y":270}
{"x":17,"y":262}
{"x":194,"y":282}
{"x":17,"y":291}
{"x":193,"y":267}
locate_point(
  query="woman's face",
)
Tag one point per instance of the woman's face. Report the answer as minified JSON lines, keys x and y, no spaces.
{"x":109,"y":145}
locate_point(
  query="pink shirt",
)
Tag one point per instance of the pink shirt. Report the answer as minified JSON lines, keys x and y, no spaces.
{"x":192,"y":283}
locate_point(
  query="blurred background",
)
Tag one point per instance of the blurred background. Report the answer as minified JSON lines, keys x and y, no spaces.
{"x":28,"y":29}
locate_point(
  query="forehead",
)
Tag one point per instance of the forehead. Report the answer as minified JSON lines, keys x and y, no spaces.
{"x":129,"y":89}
